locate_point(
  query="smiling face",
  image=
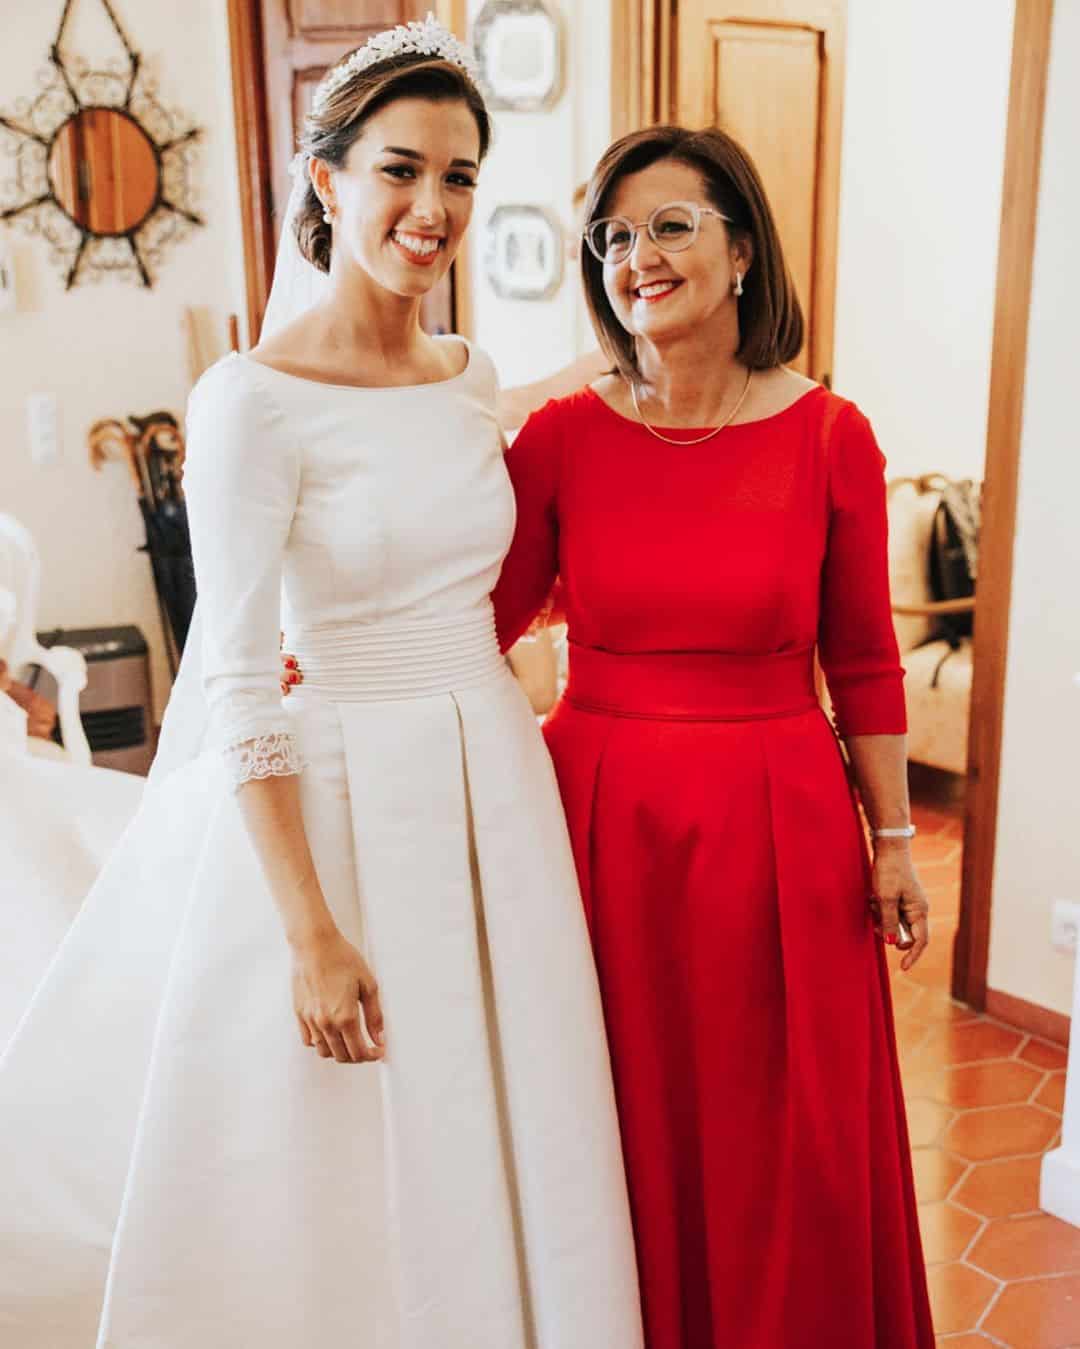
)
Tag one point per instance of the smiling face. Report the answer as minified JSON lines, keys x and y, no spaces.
{"x":403,"y":198}
{"x":661,"y":295}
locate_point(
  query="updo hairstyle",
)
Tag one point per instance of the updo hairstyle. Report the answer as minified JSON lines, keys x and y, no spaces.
{"x":330,"y":132}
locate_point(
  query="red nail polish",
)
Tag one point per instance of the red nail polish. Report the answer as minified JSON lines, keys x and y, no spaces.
{"x":294,"y":678}
{"x":290,"y":662}
{"x":890,"y":940}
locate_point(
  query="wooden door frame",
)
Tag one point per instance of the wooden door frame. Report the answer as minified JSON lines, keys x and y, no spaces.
{"x":643,"y":26}
{"x":641,"y":41}
{"x":1031,"y":41}
{"x":253,"y":159}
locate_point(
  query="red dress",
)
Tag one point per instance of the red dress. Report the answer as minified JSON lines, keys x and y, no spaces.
{"x":721,"y":858}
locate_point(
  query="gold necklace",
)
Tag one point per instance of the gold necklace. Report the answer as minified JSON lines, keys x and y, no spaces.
{"x":697,"y":439}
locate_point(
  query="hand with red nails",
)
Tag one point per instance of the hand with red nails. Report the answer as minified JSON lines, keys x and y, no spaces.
{"x":898,"y":897}
{"x":291,"y":673}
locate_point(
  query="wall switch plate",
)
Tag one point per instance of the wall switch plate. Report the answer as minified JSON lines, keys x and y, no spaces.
{"x":1065,"y":925}
{"x":43,"y":427}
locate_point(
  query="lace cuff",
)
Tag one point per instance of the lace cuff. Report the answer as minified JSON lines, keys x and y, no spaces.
{"x":266,"y":756}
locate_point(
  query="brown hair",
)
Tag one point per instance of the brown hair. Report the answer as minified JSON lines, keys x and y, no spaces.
{"x":330,"y":133}
{"x":771,"y":322}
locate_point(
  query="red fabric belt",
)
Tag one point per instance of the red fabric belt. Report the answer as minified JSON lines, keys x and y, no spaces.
{"x":692,"y":685}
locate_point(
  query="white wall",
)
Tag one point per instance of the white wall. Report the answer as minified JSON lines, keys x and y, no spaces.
{"x":111,"y":348}
{"x":1038,"y":841}
{"x":923,"y":150}
{"x":540,"y":159}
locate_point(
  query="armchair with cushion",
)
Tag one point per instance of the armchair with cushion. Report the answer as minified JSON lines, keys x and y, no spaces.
{"x":939,"y":669}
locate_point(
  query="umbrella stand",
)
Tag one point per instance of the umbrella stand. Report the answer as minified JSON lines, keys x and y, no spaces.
{"x":168,"y":545}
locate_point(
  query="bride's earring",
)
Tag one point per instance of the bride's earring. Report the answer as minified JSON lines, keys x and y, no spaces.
{"x":738,"y":283}
{"x":328,"y":214}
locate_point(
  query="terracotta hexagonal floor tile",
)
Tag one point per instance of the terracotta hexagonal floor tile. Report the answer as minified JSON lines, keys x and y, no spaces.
{"x":929,"y":818}
{"x":911,"y":1034}
{"x":939,"y":861}
{"x":939,"y":1006}
{"x":1002,"y":1131}
{"x":1039,"y":1314}
{"x":958,"y":1296}
{"x":946,"y":1231}
{"x":1002,"y":1189}
{"x":934,"y":968}
{"x":1052,"y":1094}
{"x":971,"y":1042}
{"x":1044,"y":1055}
{"x":964,"y":1342}
{"x":926,"y":1122}
{"x":936,"y":1172}
{"x":993,"y":1082}
{"x":1021,"y":1248}
{"x":939,"y":848}
{"x":905,"y":996}
{"x":925,"y":1079}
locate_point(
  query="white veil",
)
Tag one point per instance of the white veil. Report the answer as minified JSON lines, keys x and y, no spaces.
{"x":296,"y":288}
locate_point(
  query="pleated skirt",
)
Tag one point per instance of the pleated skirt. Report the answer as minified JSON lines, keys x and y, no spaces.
{"x":178,"y":1172}
{"x":726,"y":882}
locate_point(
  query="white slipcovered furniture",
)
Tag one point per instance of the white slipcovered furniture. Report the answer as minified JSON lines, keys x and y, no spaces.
{"x":20,"y":579}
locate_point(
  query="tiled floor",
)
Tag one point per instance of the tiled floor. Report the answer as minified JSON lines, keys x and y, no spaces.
{"x":984,"y":1102}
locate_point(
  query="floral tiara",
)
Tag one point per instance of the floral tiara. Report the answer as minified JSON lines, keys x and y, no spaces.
{"x":428,"y":38}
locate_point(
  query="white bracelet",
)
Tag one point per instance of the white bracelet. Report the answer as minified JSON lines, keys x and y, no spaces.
{"x":905,"y":831}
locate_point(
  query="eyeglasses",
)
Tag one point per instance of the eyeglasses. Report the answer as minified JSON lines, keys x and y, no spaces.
{"x":672,"y":227}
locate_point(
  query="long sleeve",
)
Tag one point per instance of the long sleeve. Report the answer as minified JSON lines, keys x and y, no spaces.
{"x":241,"y":481}
{"x":857,"y":643}
{"x":531,"y":567}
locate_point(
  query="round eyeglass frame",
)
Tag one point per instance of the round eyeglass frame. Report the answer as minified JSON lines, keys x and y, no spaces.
{"x":695,"y":211}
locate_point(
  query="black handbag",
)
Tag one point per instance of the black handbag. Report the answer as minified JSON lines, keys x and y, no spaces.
{"x":954,"y":554}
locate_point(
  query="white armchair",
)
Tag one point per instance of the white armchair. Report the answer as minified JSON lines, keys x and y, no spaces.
{"x":20,"y":576}
{"x":938,"y":684}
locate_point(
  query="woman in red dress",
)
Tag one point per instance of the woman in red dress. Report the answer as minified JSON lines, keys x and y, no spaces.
{"x":714,"y":519}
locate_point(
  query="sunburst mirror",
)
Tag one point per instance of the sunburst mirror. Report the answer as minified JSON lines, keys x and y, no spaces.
{"x":99,"y":166}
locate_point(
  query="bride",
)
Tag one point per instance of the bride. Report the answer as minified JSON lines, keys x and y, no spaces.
{"x":382,"y":1115}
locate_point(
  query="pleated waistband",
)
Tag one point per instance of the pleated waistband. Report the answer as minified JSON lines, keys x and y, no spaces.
{"x":691,"y":685}
{"x":397,"y":658}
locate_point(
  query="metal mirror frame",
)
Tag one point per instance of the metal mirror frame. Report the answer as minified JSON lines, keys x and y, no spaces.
{"x":69,"y":87}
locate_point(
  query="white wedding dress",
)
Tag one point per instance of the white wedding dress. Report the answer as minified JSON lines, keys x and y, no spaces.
{"x":176,"y":1170}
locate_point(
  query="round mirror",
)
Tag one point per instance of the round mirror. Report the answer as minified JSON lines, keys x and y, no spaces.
{"x":104,"y":171}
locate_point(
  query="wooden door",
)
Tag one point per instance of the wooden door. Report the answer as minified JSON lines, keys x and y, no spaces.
{"x":770,"y":73}
{"x":281,"y":50}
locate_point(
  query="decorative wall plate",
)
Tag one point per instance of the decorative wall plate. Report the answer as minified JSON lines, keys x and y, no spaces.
{"x":99,"y":166}
{"x":524,"y":252}
{"x":519,"y":47}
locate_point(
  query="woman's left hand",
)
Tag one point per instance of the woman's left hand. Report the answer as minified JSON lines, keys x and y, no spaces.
{"x":898,"y":894}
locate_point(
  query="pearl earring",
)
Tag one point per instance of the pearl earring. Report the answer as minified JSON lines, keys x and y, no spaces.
{"x":328,"y":214}
{"x":738,"y":283}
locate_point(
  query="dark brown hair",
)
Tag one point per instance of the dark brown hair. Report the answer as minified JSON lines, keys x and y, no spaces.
{"x":330,"y":133}
{"x":771,"y":326}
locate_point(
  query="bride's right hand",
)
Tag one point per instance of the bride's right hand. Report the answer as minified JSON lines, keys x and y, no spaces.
{"x":331,"y":983}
